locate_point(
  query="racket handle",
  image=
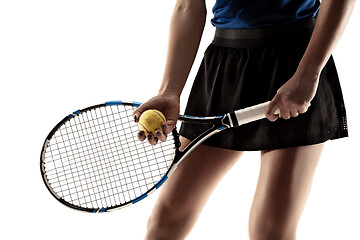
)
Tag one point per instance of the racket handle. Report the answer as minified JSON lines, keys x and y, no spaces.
{"x":250,"y":114}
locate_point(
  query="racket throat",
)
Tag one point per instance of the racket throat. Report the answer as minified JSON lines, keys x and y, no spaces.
{"x":181,"y":155}
{"x":229,"y":120}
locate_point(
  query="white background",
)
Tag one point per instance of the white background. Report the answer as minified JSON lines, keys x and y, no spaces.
{"x":60,"y":56}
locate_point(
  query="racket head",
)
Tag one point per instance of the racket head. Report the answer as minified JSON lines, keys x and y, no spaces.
{"x":92,"y":160}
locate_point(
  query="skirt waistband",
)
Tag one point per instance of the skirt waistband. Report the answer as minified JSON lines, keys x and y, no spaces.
{"x":288,"y":34}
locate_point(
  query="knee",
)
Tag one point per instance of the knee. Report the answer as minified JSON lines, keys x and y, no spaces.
{"x":265,"y":229}
{"x":164,"y":223}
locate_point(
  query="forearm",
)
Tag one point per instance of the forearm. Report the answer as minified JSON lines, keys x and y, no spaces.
{"x":330,"y":24}
{"x":186,"y":27}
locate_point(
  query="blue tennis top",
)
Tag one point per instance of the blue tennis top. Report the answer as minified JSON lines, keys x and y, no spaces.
{"x":261,"y":13}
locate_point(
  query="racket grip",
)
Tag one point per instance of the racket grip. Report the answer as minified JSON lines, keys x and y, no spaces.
{"x":251,"y":114}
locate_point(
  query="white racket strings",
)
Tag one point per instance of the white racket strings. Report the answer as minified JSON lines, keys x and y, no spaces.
{"x":95,"y":160}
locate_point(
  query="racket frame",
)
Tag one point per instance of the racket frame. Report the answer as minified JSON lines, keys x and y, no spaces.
{"x":218,"y":123}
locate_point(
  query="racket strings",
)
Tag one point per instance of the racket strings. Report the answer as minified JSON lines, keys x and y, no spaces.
{"x":95,"y":160}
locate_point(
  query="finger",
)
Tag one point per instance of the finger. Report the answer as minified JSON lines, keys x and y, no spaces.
{"x":304,"y":108}
{"x":160,"y":135}
{"x":136,"y":115}
{"x":138,"y":111}
{"x":284,"y":114}
{"x":270,"y":111}
{"x":141,"y":136}
{"x":163,"y":130}
{"x":294,"y":113}
{"x":168,"y":126}
{"x":151,"y":139}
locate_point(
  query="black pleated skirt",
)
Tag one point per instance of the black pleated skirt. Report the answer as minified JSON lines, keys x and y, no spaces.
{"x":243,"y":67}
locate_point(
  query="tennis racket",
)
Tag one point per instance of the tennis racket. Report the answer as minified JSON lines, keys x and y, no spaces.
{"x":92,"y":160}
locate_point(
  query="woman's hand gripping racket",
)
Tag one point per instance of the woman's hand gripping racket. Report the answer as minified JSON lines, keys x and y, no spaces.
{"x":92,"y":160}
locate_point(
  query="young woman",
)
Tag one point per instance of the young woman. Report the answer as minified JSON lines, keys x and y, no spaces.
{"x":262,"y":50}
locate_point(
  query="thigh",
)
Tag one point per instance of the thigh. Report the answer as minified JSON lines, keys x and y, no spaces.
{"x":284,"y":184}
{"x":187,"y":190}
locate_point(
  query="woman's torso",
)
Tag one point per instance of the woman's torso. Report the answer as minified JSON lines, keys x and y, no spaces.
{"x":235,"y":14}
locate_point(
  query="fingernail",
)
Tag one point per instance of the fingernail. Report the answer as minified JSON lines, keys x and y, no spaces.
{"x":140,"y":134}
{"x":164,"y":126}
{"x":158,"y":133}
{"x":135,"y":118}
{"x":149,"y":137}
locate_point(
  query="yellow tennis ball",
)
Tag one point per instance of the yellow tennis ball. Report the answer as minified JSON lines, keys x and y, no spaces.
{"x":151,"y":120}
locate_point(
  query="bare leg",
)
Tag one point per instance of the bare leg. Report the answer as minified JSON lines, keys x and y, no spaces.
{"x":283,"y":187}
{"x":185,"y":193}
